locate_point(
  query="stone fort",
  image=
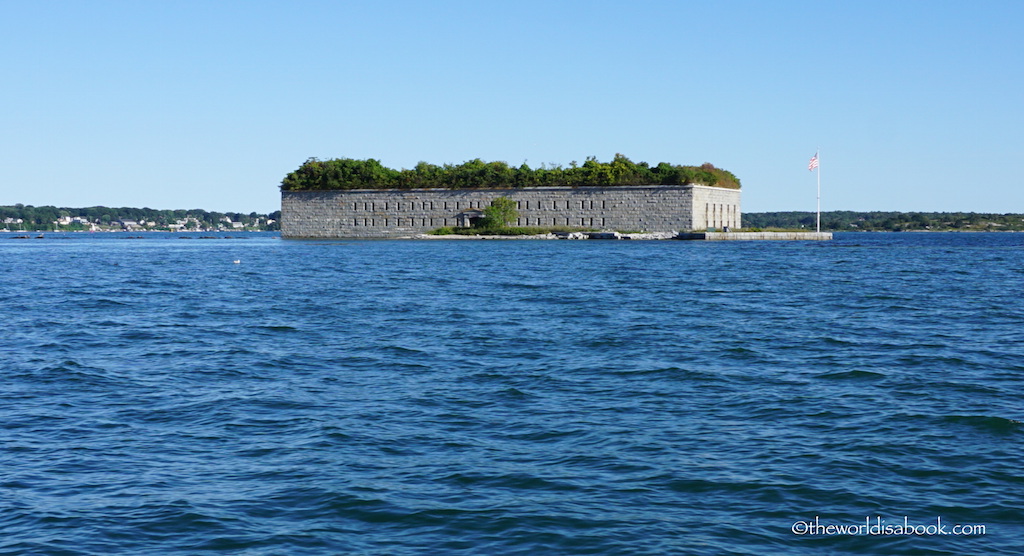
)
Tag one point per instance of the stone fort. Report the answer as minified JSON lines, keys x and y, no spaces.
{"x":389,"y":213}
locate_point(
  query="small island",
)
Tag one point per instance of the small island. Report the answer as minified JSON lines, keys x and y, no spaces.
{"x":344,"y":197}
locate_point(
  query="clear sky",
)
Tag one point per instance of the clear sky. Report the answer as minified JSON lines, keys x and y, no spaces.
{"x":916,"y":105}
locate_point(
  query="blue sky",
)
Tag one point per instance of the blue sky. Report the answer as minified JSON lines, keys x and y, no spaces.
{"x":916,"y":105}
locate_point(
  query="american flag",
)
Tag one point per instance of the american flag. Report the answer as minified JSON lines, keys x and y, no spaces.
{"x":813,"y":163}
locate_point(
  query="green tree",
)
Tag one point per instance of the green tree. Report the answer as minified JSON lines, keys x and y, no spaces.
{"x":347,"y":173}
{"x":500,"y":213}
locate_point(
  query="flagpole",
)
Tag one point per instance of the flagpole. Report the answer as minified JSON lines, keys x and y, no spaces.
{"x":818,"y":154}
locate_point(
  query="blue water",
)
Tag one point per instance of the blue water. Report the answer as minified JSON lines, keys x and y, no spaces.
{"x":509,"y":397}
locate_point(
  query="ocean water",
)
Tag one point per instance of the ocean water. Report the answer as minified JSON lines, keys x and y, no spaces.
{"x":511,"y":397}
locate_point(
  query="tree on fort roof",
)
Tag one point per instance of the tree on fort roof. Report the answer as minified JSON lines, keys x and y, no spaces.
{"x":347,"y":173}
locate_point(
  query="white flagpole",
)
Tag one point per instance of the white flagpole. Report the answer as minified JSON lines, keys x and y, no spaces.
{"x":818,"y":155}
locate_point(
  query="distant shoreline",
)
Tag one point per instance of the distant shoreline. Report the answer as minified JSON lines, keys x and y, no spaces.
{"x":29,"y":219}
{"x":887,"y":221}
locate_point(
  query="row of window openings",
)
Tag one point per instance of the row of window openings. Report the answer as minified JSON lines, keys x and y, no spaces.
{"x":718,"y":215}
{"x":454,"y":222}
{"x":458,"y":205}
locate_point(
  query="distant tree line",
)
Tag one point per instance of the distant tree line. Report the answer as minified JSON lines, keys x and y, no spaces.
{"x":43,"y":218}
{"x":850,"y":221}
{"x":348,"y":173}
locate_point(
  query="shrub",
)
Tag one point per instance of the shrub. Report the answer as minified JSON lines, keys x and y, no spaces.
{"x":499,"y":213}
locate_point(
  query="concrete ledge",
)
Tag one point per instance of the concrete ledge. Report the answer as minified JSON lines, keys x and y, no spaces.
{"x":741,"y":236}
{"x":564,"y":235}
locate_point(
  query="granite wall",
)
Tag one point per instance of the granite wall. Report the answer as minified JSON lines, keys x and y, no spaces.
{"x":366,"y":213}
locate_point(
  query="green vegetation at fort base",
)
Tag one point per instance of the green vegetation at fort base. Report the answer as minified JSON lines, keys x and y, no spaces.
{"x":49,"y":218}
{"x":495,"y":222}
{"x":500,"y":213}
{"x":878,"y":221}
{"x":347,"y":173}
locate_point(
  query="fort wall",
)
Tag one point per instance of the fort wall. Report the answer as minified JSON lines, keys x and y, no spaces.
{"x":373,"y":213}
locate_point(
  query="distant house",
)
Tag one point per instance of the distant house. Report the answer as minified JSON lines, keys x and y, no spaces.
{"x":129,"y":224}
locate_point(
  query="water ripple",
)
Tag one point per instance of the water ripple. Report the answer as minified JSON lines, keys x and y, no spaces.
{"x":385,"y":397}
